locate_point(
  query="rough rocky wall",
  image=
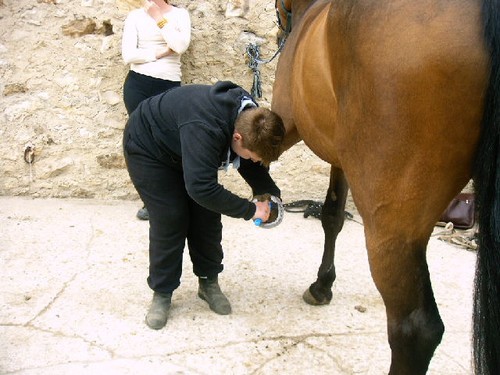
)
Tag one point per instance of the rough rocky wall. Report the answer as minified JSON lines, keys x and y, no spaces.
{"x":61,"y":109}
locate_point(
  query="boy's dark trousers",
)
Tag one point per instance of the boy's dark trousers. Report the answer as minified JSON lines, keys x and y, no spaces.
{"x":173,"y":218}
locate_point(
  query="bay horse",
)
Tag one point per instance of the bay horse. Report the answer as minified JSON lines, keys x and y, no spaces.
{"x":402,"y":99}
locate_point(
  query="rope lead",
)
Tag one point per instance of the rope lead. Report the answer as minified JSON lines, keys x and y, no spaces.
{"x":253,"y":52}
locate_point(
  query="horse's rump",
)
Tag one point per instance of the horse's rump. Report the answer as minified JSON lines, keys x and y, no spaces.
{"x":395,"y":96}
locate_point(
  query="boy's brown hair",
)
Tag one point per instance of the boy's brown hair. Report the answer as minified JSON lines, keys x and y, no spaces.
{"x":262,"y":131}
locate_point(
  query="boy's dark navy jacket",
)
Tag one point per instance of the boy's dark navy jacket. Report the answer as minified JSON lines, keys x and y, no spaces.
{"x":192,"y":126}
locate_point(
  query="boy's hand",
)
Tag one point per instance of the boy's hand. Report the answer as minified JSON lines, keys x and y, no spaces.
{"x":277,"y":209}
{"x":263,"y":210}
{"x":267,"y":198}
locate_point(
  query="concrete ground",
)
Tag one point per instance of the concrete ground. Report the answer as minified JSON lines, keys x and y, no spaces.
{"x":73,"y":298}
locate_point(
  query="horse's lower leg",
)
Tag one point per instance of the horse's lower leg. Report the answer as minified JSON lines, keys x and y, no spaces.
{"x":413,"y":339}
{"x":414,"y":326}
{"x":332,"y":220}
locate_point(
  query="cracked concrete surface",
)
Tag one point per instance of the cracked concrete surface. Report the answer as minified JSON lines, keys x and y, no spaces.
{"x":73,"y":298}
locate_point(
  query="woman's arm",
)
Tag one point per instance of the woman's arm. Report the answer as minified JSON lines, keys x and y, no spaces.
{"x":130,"y":52}
{"x":177,"y":32}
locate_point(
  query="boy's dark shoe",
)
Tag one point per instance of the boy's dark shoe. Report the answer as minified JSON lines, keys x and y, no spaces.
{"x":158,"y":311}
{"x":209,"y":291}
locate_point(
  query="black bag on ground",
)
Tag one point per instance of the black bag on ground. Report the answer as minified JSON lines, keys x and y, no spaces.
{"x":461,"y":212}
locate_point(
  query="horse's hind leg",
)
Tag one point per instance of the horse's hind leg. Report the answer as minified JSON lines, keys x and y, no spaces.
{"x":332,"y":220}
{"x":399,"y":269}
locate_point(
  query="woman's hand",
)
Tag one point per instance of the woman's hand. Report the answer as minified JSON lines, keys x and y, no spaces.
{"x":164,"y":52}
{"x":153,"y":10}
{"x":262,"y":212}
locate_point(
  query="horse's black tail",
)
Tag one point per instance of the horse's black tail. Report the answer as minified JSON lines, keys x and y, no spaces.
{"x":486,"y":314}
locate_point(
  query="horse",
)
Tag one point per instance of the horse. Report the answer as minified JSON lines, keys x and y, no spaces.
{"x":402,"y":99}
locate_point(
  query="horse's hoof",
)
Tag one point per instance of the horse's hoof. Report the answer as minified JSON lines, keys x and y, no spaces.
{"x":311,"y":300}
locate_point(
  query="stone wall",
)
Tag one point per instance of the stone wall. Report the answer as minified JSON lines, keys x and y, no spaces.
{"x":61,"y":109}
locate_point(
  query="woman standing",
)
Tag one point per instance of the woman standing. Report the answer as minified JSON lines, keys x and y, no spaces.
{"x":154,"y":38}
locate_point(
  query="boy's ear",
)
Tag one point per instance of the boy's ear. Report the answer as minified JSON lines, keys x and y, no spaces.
{"x":237,"y":136}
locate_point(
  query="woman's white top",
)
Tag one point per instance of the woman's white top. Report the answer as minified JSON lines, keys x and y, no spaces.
{"x":142,"y":39}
